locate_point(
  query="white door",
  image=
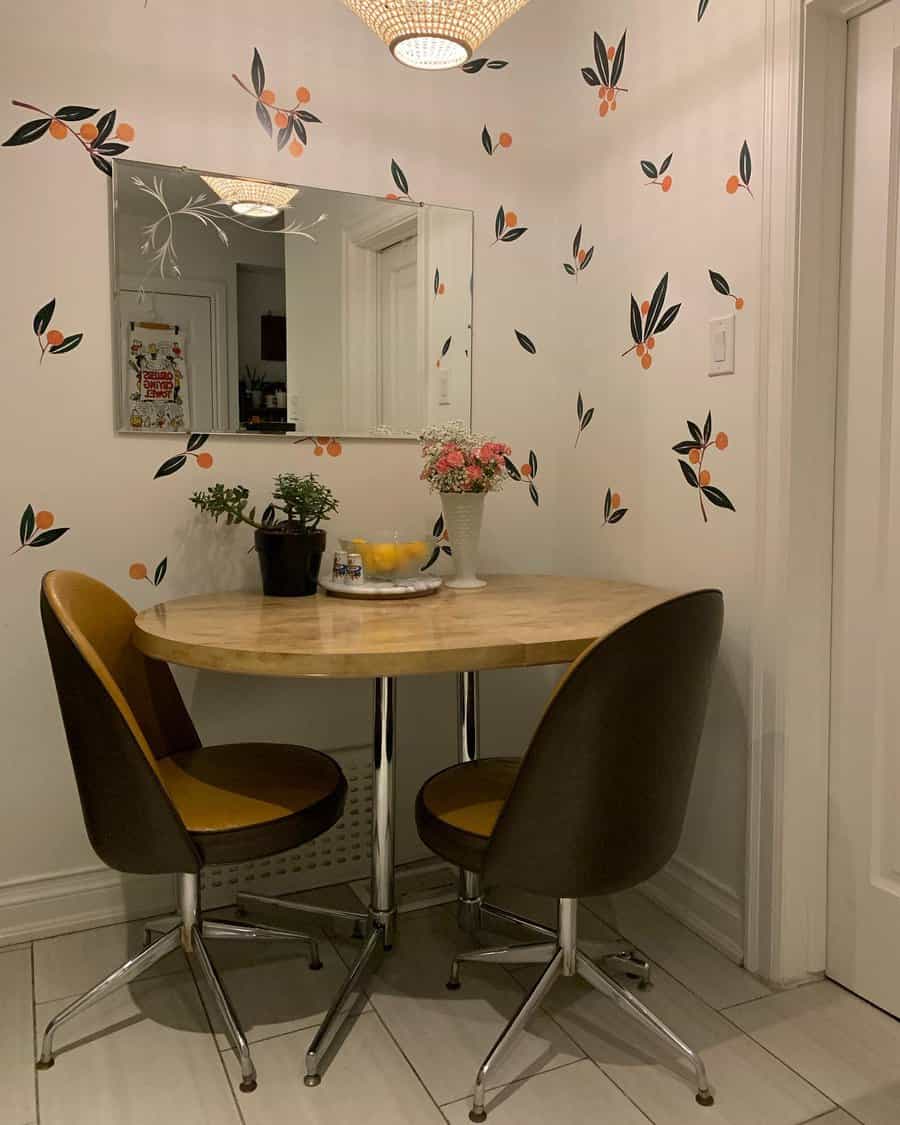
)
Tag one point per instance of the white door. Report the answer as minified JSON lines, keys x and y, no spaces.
{"x":864,"y":782}
{"x":195,"y":315}
{"x":399,"y":381}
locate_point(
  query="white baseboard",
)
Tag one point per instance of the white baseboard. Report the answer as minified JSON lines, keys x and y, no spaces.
{"x":77,"y":900}
{"x":702,"y":903}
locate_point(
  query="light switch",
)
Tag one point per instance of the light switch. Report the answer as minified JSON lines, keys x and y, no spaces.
{"x":444,"y":389}
{"x":721,"y":346}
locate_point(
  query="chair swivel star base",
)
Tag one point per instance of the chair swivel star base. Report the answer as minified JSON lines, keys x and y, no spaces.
{"x":563,"y":957}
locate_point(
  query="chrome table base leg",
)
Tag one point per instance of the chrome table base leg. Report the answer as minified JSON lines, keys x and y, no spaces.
{"x":245,"y":901}
{"x":383,"y":907}
{"x":249,"y":931}
{"x":121,"y":976}
{"x":468,"y":908}
{"x":537,"y":954}
{"x":340,"y":1008}
{"x":516,"y":920}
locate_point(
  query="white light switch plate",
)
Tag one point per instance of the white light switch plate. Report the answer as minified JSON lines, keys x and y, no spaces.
{"x":444,"y":391}
{"x":721,"y":346}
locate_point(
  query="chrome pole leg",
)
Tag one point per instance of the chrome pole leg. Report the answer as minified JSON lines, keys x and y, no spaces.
{"x":468,"y":909}
{"x":630,"y":1004}
{"x":340,"y":1009}
{"x":232,"y":1028}
{"x":536,"y":953}
{"x":125,"y":973}
{"x":383,"y":907}
{"x":513,"y":1029}
{"x":516,"y":920}
{"x":326,"y":913}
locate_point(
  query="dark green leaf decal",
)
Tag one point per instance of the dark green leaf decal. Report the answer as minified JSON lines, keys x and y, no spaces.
{"x":617,"y":515}
{"x":586,"y":260}
{"x":532,"y":463}
{"x":717,"y":496}
{"x":689,"y":475}
{"x":701,"y":11}
{"x":600,"y":58}
{"x":607,"y":505}
{"x":618,"y":62}
{"x":719,"y":283}
{"x":649,"y":169}
{"x":26,"y":524}
{"x":512,"y":469}
{"x":656,"y":306}
{"x":590,"y":76}
{"x":105,"y":125}
{"x":579,"y":406}
{"x":257,"y":73}
{"x":486,"y":142}
{"x":499,"y":221}
{"x":43,"y":317}
{"x":30,"y":131}
{"x":399,"y":177}
{"x":576,"y":243}
{"x":668,"y":318}
{"x":171,"y":465}
{"x":664,"y":167}
{"x":195,"y":441}
{"x":433,"y":558}
{"x":437,"y":281}
{"x":300,"y":130}
{"x":262,"y":116}
{"x":74,"y":113}
{"x":707,"y":428}
{"x":473,"y":66}
{"x":438,"y":530}
{"x":746,"y":164}
{"x":47,"y":537}
{"x":512,"y":235}
{"x":284,"y":135}
{"x":684,"y":447}
{"x":526,"y":343}
{"x":570,"y":270}
{"x":446,"y":347}
{"x":637,"y":330}
{"x":305,"y":115}
{"x":102,"y":164}
{"x":160,"y":572}
{"x":696,"y":432}
{"x":533,"y":493}
{"x":69,"y":344}
{"x":497,"y":64}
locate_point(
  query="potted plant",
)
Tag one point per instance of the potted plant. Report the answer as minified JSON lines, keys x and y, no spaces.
{"x":463,"y":467}
{"x":290,"y":549}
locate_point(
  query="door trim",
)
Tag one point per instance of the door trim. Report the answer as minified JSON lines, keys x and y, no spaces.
{"x":787,"y":813}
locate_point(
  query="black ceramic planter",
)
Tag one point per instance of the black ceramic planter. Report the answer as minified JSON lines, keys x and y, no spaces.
{"x":289,"y":562}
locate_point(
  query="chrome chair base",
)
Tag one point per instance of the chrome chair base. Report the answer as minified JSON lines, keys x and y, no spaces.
{"x":564,"y":957}
{"x":191,"y":931}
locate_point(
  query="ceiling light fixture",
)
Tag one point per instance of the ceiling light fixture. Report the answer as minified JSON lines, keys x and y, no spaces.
{"x":434,"y":34}
{"x":251,"y":198}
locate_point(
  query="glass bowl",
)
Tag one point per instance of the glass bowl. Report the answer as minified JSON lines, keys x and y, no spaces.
{"x":389,"y":555}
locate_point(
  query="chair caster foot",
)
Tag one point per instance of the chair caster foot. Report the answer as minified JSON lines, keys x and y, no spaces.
{"x":644,"y":985}
{"x":704,"y":1097}
{"x":44,"y":1064}
{"x":454,"y":985}
{"x":312,"y":1080}
{"x":248,"y":1086}
{"x":315,"y":966}
{"x":477,"y":1115}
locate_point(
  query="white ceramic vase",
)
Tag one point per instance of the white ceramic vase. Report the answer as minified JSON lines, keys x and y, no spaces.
{"x":462,"y":517}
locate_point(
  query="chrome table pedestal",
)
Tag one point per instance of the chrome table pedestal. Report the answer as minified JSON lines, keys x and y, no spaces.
{"x":468,"y":738}
{"x":383,"y":906}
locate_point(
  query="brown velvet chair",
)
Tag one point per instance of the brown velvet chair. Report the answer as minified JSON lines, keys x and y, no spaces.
{"x":596,"y":805}
{"x":156,"y":801}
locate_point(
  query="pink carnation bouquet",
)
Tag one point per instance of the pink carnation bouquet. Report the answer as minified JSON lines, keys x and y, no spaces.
{"x":459,"y":461}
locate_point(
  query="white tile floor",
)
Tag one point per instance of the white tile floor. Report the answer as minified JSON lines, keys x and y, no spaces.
{"x":154,"y":1052}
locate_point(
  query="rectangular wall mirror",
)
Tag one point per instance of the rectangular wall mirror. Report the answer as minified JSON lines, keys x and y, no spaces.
{"x":249,"y":307}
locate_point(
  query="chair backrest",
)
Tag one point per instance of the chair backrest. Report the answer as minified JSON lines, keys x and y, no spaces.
{"x":600,"y":798}
{"x":121,"y":713}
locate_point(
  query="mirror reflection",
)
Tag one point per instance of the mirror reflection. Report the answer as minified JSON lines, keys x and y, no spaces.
{"x":243,"y":306}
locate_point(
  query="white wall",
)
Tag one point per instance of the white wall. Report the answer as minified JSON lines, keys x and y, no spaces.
{"x":693,"y":89}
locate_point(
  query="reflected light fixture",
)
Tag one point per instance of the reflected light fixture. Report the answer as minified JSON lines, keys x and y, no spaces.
{"x":251,"y":198}
{"x":434,"y":34}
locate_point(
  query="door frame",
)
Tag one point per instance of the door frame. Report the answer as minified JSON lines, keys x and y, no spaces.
{"x":787,"y":807}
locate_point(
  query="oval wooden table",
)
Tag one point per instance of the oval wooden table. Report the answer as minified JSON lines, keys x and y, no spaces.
{"x":513,"y":622}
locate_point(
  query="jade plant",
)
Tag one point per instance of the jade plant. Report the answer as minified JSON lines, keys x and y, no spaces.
{"x":304,"y":500}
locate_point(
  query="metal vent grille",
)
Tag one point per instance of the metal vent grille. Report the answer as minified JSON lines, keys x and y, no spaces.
{"x":341,"y":854}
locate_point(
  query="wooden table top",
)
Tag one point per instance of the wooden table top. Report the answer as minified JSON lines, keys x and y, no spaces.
{"x":513,"y":622}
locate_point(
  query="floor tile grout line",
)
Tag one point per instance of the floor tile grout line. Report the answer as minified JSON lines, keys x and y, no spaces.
{"x":783,"y":1062}
{"x":406,"y":1059}
{"x":513,"y":1082}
